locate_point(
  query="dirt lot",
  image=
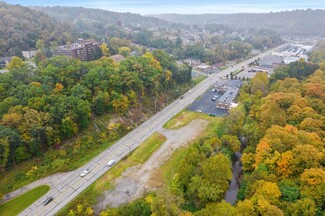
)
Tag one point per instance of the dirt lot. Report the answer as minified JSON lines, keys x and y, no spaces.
{"x":136,"y":180}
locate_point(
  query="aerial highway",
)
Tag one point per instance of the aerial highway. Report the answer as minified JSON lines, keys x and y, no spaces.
{"x":70,"y":187}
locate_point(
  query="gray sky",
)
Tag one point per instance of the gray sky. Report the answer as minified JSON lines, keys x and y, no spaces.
{"x":183,"y":6}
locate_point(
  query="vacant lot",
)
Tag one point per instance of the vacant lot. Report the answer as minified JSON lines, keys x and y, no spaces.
{"x":138,"y":179}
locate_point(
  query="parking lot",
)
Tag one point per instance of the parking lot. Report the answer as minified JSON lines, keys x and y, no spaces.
{"x":205,"y":105}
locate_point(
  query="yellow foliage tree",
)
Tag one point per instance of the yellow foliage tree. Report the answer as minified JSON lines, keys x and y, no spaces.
{"x":268,"y":191}
{"x":104,"y":49}
{"x":284,"y":164}
{"x":15,"y":63}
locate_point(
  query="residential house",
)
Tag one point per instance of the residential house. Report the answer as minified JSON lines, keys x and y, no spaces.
{"x":4,"y":61}
{"x":29,"y":54}
{"x":117,"y":57}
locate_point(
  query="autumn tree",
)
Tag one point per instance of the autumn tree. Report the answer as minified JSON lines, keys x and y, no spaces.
{"x":222,"y":208}
{"x":15,"y":63}
{"x":213,"y":180}
{"x":104,"y":49}
{"x":124,"y":51}
{"x":232,"y":142}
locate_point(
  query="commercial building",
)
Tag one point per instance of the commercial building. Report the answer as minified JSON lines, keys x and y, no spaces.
{"x":225,"y":101}
{"x":229,"y":90}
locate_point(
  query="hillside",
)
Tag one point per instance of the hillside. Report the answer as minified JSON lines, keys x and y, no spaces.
{"x":98,"y":21}
{"x":21,"y":27}
{"x":289,"y":23}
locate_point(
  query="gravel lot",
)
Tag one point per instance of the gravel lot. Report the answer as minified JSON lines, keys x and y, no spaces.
{"x":136,"y":180}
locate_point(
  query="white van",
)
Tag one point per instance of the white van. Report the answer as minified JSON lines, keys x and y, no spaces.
{"x":111,"y":162}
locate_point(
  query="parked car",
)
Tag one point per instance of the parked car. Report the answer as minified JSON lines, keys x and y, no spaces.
{"x":214,"y":98}
{"x":85,"y":172}
{"x":111,"y":163}
{"x":199,"y":111}
{"x":48,"y":200}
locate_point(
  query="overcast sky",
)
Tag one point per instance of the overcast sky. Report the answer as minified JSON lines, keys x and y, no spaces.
{"x":182,"y":6}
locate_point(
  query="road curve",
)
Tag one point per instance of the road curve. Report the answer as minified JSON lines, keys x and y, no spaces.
{"x":69,"y":188}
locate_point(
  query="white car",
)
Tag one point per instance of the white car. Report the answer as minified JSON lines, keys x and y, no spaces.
{"x":111,"y":163}
{"x":85,"y":172}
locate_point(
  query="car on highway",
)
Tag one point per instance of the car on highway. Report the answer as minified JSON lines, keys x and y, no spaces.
{"x":48,"y":200}
{"x":181,"y":97}
{"x":85,"y":172}
{"x":111,"y":163}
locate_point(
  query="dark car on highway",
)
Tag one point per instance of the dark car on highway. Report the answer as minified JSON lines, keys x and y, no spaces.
{"x":48,"y":200}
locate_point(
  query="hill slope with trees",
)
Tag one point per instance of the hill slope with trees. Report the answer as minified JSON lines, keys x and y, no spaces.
{"x":288,"y":23}
{"x":21,"y":27}
{"x":100,"y":22}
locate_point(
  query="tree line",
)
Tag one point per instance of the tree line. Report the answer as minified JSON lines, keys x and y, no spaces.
{"x":42,"y":107}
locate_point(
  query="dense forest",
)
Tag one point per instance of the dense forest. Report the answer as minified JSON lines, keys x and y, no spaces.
{"x":21,"y":27}
{"x":288,"y":23}
{"x":41,"y":108}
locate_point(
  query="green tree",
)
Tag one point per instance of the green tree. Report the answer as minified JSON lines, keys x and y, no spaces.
{"x":166,"y":203}
{"x":4,"y":153}
{"x":223,"y":209}
{"x":212,"y":182}
{"x":231,"y":141}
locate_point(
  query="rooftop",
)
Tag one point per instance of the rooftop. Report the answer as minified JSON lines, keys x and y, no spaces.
{"x":229,"y":96}
{"x":270,"y":60}
{"x":117,"y":57}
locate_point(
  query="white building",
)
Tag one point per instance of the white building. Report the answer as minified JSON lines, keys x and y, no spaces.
{"x":29,"y":54}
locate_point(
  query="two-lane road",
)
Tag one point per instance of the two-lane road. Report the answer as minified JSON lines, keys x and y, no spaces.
{"x":69,"y":188}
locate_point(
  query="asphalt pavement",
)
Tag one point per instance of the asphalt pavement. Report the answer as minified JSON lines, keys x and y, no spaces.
{"x":69,"y":188}
{"x":205,"y":105}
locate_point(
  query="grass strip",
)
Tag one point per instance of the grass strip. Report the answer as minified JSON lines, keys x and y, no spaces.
{"x":18,"y":204}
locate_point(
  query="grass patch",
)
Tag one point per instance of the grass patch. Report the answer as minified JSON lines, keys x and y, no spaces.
{"x":18,"y":204}
{"x":184,"y":117}
{"x":138,"y":156}
{"x":199,"y":79}
{"x":170,"y":167}
{"x":223,"y":68}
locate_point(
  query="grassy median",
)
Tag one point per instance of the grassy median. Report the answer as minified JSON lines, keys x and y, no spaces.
{"x":199,"y":79}
{"x":18,"y":204}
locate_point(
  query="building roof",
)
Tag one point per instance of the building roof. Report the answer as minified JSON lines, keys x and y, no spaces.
{"x":229,"y":96}
{"x":271,"y":60}
{"x":5,"y":59}
{"x":117,"y":57}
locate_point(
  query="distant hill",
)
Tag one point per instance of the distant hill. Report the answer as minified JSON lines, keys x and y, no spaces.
{"x":21,"y":27}
{"x":290,"y":23}
{"x":99,"y":21}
